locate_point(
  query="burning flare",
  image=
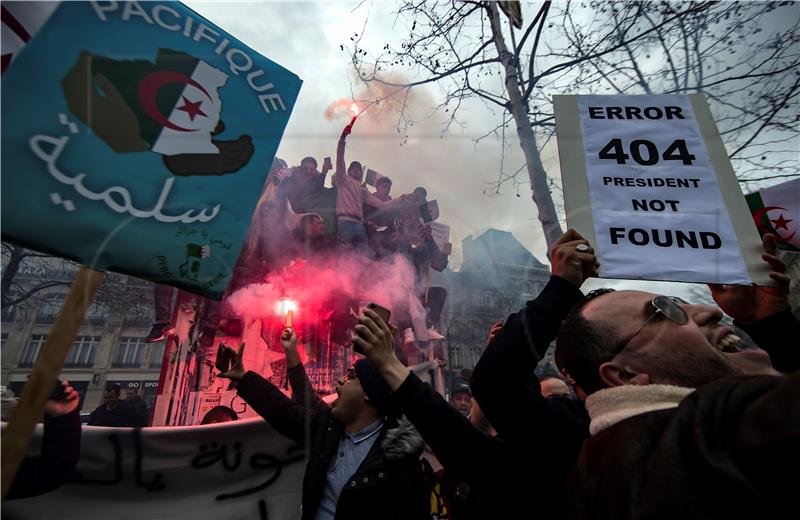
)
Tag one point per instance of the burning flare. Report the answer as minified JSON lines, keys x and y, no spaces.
{"x":286,"y":307}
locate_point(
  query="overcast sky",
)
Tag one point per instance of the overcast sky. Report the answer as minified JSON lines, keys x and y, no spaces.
{"x":306,"y":38}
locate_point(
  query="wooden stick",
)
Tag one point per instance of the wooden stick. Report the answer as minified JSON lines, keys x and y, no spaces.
{"x":45,"y":372}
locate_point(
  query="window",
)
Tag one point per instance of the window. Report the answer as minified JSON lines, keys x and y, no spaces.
{"x":32,"y":350}
{"x":95,"y":314}
{"x":458,"y":356}
{"x":156,"y":354}
{"x":50,"y":308}
{"x":129,"y":352}
{"x":82,"y":352}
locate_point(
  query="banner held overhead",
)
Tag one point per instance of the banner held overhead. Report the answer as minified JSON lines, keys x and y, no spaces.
{"x":647,"y":181}
{"x":137,"y":138}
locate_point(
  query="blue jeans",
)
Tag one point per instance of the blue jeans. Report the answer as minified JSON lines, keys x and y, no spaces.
{"x":353,"y":236}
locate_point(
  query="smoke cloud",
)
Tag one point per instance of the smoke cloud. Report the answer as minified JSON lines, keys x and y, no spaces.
{"x":378,"y":102}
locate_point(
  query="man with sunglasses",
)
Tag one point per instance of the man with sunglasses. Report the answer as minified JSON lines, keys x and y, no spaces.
{"x":683,"y":421}
{"x":363,"y":457}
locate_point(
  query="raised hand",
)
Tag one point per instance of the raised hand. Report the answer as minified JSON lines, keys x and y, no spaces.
{"x":573,"y":258}
{"x":65,"y":404}
{"x":237,"y":371}
{"x":749,"y":303}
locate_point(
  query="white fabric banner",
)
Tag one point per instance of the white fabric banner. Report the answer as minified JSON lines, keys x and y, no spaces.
{"x":235,"y":470}
{"x":658,"y":210}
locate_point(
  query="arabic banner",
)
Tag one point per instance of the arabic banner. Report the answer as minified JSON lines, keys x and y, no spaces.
{"x":137,"y":138}
{"x":232,"y":470}
{"x":648,"y":182}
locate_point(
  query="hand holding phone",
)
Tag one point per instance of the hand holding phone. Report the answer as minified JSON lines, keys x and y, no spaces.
{"x":383,"y":312}
{"x":224,"y":358}
{"x":327,"y":164}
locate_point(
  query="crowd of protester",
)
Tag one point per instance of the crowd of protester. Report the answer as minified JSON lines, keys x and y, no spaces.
{"x":300,"y":217}
{"x":661,"y":411}
{"x":674,"y":416}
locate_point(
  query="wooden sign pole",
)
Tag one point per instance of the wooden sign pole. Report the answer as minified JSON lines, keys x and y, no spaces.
{"x":45,"y":372}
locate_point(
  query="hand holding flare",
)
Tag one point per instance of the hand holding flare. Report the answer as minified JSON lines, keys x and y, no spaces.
{"x":349,"y":128}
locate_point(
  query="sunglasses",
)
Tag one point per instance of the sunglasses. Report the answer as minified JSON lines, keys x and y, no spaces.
{"x":669,"y":307}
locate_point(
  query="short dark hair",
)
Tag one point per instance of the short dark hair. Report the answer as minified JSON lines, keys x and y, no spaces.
{"x":582,"y":346}
{"x":421,"y":191}
{"x":461,"y":388}
{"x":308,"y":159}
{"x":355,"y":164}
{"x":115,"y":387}
{"x":219,"y":414}
{"x":384,"y":180}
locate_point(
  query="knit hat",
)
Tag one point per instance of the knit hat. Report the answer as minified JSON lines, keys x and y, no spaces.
{"x":378,"y":392}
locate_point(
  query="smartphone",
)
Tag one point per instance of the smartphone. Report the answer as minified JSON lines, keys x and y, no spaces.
{"x":58,"y":391}
{"x":383,"y":312}
{"x":327,"y":163}
{"x":224,"y":358}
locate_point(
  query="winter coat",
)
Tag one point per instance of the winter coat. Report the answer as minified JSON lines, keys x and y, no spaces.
{"x":476,"y":484}
{"x":387,"y":485}
{"x":543,"y":434}
{"x":719,"y":454}
{"x":731,"y":449}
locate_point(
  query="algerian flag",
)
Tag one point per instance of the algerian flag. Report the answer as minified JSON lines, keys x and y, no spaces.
{"x":776,"y":210}
{"x":175,"y":102}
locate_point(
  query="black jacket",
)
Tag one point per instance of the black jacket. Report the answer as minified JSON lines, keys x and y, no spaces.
{"x":469,"y":456}
{"x":543,"y":434}
{"x":730,"y":450}
{"x":777,"y":334}
{"x":724,"y":452}
{"x":388,"y":484}
{"x":61,"y":449}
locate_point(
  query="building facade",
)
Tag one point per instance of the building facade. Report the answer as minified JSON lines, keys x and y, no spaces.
{"x":497,"y":276}
{"x":109,"y":346}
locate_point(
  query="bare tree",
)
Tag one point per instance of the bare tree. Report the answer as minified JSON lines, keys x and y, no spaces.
{"x":31,"y":279}
{"x":743,"y":56}
{"x":470,"y":51}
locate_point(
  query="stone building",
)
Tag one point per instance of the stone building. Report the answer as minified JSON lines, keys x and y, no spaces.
{"x":497,"y":276}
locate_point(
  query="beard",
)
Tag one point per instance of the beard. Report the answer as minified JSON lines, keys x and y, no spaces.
{"x":687,"y":369}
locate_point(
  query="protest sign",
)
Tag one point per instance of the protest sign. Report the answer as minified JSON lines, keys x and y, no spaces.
{"x":440,"y":234}
{"x":648,"y":183}
{"x":776,"y":210}
{"x":239,"y":469}
{"x":137,"y":138}
{"x":373,"y":177}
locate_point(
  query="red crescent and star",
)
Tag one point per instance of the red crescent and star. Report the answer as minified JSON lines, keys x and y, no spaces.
{"x":149,"y":87}
{"x":779,"y":223}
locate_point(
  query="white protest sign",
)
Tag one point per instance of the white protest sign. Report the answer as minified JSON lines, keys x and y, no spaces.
{"x":648,"y":183}
{"x":440,"y":233}
{"x":233,"y":470}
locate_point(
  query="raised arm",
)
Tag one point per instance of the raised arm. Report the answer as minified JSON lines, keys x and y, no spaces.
{"x":302,"y":391}
{"x":61,"y":449}
{"x":764,"y":312}
{"x":283,"y":414}
{"x":341,"y":169}
{"x":449,"y":434}
{"x":503,"y":381}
